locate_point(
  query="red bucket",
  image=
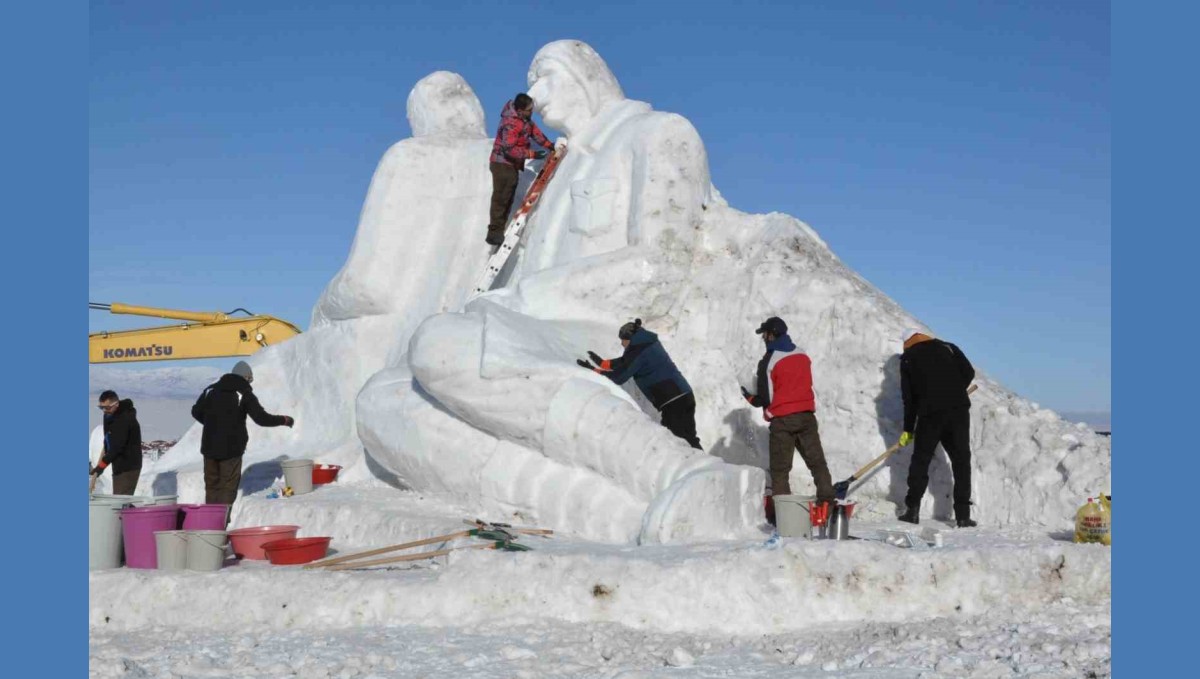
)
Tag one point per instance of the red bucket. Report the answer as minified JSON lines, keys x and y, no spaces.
{"x":325,"y":473}
{"x":296,"y":550}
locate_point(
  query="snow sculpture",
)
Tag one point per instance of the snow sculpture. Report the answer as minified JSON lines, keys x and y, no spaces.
{"x":632,"y":189}
{"x":414,"y":254}
{"x":631,"y":226}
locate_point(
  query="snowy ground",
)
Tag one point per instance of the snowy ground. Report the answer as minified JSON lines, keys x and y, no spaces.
{"x":990,"y":603}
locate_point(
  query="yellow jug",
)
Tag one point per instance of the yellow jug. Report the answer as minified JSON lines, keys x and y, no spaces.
{"x":1093,"y":522}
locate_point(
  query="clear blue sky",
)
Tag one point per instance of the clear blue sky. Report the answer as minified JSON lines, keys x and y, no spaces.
{"x":957,"y":155}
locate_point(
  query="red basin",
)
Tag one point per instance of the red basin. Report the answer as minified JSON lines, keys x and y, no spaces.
{"x":296,"y":550}
{"x":248,"y":542}
{"x":325,"y":473}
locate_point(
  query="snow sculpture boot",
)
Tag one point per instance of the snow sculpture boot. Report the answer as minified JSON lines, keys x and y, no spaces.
{"x":962,"y":516}
{"x":912,"y":514}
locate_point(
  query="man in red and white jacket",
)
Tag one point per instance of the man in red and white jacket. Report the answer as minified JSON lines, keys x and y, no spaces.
{"x":785,"y":393}
{"x":509,"y":153}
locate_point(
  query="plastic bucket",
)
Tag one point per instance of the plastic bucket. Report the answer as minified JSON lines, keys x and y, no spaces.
{"x":206,"y":549}
{"x":162,"y":499}
{"x":791,"y":515}
{"x":172,"y":549}
{"x":298,"y":475}
{"x":248,"y":542}
{"x":139,"y":524}
{"x":105,"y":548}
{"x":122,"y":500}
{"x":204,"y":517}
{"x":325,"y":473}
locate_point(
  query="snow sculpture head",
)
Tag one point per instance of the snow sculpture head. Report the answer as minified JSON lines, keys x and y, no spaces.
{"x":443,"y":103}
{"x":570,"y":84}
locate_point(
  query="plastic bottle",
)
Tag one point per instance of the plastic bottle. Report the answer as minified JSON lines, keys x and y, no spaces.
{"x":1092,"y":523}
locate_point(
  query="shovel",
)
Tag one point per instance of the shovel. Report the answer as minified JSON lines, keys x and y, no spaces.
{"x":841,"y":488}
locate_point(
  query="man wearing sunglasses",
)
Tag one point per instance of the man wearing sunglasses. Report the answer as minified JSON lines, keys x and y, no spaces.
{"x":122,"y":444}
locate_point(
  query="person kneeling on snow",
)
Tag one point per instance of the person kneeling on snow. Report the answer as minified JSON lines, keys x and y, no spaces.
{"x":222,"y":409}
{"x":785,"y":393}
{"x":647,"y":362}
{"x":934,"y":376}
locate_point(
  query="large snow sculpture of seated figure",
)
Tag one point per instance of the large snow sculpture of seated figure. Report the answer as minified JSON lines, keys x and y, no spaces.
{"x":495,"y":390}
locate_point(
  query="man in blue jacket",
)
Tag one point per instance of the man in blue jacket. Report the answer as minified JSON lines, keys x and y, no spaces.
{"x":647,"y":362}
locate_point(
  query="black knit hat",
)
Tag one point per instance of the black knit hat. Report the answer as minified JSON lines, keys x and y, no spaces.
{"x":773,"y":325}
{"x":627,"y":330}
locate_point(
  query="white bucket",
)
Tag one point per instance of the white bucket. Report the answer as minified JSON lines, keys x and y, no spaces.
{"x":298,"y":475}
{"x":106,"y":546}
{"x":791,"y":515}
{"x":172,"y":549}
{"x":206,"y":549}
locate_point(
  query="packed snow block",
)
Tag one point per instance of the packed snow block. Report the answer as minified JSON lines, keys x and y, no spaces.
{"x":429,"y":195}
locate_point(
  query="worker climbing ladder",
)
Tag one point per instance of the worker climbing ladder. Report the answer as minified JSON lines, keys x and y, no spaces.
{"x":516,"y":225}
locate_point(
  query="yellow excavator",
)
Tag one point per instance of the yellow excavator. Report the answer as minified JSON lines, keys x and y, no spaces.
{"x":208,"y":334}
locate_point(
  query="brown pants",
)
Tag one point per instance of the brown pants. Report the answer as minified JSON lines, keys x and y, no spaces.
{"x":221,"y":480}
{"x":789,"y":433}
{"x":125,"y":483}
{"x":504,"y":188}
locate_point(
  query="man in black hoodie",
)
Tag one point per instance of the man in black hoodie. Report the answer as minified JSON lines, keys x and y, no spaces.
{"x":122,"y":444}
{"x":934,"y":376}
{"x":222,"y":409}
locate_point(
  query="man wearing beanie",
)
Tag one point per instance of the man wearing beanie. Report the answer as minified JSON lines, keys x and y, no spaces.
{"x":785,"y":393}
{"x":647,"y":362}
{"x":222,"y":409}
{"x":934,"y":376}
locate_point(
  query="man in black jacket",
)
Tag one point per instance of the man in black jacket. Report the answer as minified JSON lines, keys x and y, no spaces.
{"x":122,"y":444}
{"x":222,"y":409}
{"x":934,"y":376}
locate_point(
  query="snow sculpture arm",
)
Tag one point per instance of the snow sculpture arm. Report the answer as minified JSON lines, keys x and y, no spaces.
{"x":670,"y":184}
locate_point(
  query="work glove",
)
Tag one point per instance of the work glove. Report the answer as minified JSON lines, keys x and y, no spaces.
{"x":595,"y":358}
{"x":905,"y":439}
{"x":539,"y":154}
{"x":746,"y":394}
{"x":584,"y":364}
{"x":288,"y":421}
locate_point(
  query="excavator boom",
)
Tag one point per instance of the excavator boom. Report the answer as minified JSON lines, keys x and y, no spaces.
{"x":210,"y":335}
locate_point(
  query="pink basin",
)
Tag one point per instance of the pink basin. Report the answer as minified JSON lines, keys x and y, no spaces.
{"x":247,"y":542}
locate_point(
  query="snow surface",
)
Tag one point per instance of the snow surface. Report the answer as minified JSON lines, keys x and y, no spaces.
{"x":440,"y":408}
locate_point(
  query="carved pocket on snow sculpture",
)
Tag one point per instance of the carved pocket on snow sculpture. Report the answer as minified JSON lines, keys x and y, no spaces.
{"x":592,"y":204}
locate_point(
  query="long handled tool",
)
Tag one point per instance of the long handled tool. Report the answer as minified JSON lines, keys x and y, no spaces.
{"x":842,"y":487}
{"x":495,"y":531}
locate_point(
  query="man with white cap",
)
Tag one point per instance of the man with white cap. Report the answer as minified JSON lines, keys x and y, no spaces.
{"x":222,"y":409}
{"x":934,"y":376}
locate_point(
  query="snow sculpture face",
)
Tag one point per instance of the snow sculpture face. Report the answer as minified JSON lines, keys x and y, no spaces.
{"x":570,"y":84}
{"x":443,"y":103}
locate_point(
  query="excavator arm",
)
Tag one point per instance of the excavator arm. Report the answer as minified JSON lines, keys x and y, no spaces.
{"x":207,"y":335}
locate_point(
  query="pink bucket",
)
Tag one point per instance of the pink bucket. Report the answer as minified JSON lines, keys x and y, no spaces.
{"x":204,"y":517}
{"x":138,"y":525}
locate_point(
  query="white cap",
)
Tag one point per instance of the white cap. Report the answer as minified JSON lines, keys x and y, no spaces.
{"x":908,"y":333}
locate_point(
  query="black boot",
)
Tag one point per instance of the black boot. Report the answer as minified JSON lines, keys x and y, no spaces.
{"x":495,"y":236}
{"x":962,"y":516}
{"x":912,"y":515}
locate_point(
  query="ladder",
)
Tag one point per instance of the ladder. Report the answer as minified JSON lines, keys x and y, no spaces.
{"x":516,"y":225}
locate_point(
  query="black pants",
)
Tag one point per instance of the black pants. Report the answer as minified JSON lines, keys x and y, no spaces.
{"x":679,"y":416}
{"x":504,"y":188}
{"x":798,"y":432}
{"x":952,"y":429}
{"x":221,"y":480}
{"x":125,"y":483}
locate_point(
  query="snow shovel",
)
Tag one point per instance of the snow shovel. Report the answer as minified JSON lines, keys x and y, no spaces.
{"x":841,"y":488}
{"x":393,"y":548}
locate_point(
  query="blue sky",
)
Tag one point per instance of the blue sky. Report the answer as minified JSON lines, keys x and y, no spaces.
{"x":957,"y":155}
